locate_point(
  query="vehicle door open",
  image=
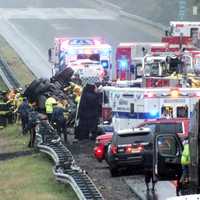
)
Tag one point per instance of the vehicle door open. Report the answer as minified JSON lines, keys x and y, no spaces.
{"x":167,"y":157}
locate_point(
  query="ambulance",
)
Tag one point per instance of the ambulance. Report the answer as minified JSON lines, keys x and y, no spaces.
{"x":68,"y":50}
{"x":129,"y":57}
{"x":128,"y":107}
{"x":182,"y":35}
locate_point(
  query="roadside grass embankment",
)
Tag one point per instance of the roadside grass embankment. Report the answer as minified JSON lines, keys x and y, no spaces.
{"x":28,"y":177}
{"x":16,"y":64}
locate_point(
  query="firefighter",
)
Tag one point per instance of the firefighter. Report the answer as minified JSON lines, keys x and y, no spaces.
{"x":18,"y":100}
{"x":59,"y":120}
{"x":77,"y":93}
{"x":49,"y":106}
{"x":185,"y":161}
{"x":24,"y":110}
{"x":32,"y":121}
{"x":88,"y":113}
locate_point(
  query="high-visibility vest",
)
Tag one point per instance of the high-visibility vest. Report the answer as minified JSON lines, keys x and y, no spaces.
{"x":185,"y":158}
{"x":49,"y":105}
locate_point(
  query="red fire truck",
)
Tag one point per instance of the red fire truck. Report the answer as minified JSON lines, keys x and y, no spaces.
{"x":182,"y":35}
{"x":129,"y":57}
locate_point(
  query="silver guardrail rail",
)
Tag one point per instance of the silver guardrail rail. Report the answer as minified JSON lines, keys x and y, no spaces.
{"x":7,"y":75}
{"x":66,"y":170}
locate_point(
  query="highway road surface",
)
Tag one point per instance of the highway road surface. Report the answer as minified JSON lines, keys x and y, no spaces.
{"x":30,"y":27}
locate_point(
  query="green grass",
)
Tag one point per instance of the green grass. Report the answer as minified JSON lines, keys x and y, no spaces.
{"x":22,"y":73}
{"x":11,"y":139}
{"x":28,"y":177}
{"x":31,"y":178}
{"x":2,"y":85}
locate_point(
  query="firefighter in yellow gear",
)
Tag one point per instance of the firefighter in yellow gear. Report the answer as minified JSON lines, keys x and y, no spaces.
{"x":185,"y":161}
{"x":77,"y":92}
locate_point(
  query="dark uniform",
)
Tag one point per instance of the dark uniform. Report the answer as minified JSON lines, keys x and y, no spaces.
{"x":148,"y":166}
{"x":59,"y":120}
{"x":88,"y":113}
{"x":24,"y":110}
{"x":33,"y":119}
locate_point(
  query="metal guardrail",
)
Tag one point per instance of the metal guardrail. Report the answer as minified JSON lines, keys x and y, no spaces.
{"x":7,"y":75}
{"x":66,"y":170}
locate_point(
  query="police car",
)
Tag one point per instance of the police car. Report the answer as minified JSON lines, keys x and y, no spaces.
{"x":127,"y":148}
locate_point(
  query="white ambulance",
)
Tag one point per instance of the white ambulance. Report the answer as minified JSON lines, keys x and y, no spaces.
{"x":129,"y":107}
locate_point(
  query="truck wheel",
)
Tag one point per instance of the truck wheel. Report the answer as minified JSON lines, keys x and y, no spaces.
{"x":30,"y":89}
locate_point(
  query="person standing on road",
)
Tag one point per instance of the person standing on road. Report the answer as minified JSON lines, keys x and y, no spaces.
{"x":23,"y":111}
{"x":185,"y":161}
{"x":88,"y":113}
{"x":148,"y":166}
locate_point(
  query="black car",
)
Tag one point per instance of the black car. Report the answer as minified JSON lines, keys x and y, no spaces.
{"x":127,"y":148}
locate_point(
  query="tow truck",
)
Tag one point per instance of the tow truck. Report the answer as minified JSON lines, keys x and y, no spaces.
{"x":166,"y":162}
{"x":68,"y":50}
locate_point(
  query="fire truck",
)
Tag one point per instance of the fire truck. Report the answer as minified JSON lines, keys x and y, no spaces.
{"x":127,"y":107}
{"x":182,"y":35}
{"x":165,"y":69}
{"x":129,"y":58}
{"x":68,"y":50}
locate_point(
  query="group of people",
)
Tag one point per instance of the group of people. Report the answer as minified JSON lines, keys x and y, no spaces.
{"x":87,"y":114}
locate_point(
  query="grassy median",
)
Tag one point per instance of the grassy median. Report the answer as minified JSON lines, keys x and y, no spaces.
{"x":29,"y":177}
{"x":12,"y":140}
{"x":2,"y":85}
{"x":20,"y":70}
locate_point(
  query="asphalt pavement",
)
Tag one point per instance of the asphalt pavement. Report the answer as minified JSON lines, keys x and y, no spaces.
{"x":30,"y":27}
{"x":158,"y":11}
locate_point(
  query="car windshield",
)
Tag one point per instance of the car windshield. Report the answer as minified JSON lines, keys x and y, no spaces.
{"x":133,"y":138}
{"x":165,"y":127}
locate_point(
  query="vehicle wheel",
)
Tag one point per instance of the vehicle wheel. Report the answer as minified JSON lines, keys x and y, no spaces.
{"x":42,"y":87}
{"x":114,"y":172}
{"x":30,"y":89}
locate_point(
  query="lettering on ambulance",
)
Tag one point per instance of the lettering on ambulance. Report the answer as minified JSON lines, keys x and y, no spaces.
{"x":174,"y":101}
{"x":135,"y":96}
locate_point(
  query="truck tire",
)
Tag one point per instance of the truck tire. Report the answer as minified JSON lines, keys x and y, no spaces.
{"x":29,"y":90}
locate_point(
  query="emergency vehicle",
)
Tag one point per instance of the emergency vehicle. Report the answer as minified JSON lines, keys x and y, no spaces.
{"x":182,"y":35}
{"x":88,"y":71}
{"x":127,"y":107}
{"x":129,"y":57}
{"x":67,"y":50}
{"x":162,"y":70}
{"x":167,"y":70}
